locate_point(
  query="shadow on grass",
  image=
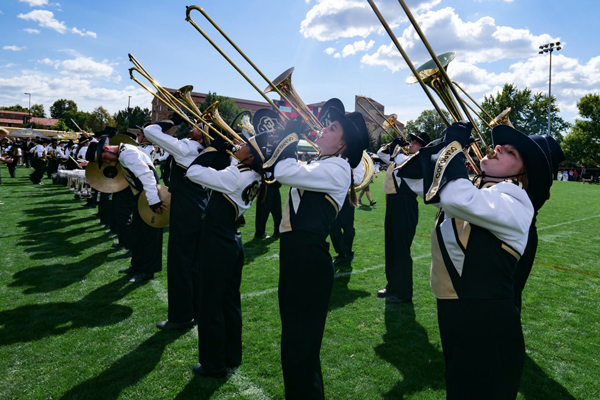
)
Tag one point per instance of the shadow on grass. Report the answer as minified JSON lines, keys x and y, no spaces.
{"x":201,"y":388}
{"x":406,"y":346}
{"x":34,"y":322}
{"x":537,"y":385}
{"x":48,"y":278}
{"x":342,"y":295}
{"x":126,"y":371}
{"x":257,"y":247}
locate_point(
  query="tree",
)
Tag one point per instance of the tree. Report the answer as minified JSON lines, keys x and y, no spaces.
{"x":17,"y":108}
{"x":228,"y":110}
{"x":429,"y":122}
{"x":37,"y":110}
{"x":583,"y":143}
{"x":60,"y":126}
{"x":99,"y":119}
{"x":529,"y":113}
{"x":61,"y":106}
{"x":80,"y":117}
{"x":131,"y":117}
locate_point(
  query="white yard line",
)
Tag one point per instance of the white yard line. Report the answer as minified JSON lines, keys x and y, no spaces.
{"x":567,"y":223}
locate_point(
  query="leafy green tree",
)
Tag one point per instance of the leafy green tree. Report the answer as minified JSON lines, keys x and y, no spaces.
{"x":130,"y":117}
{"x":583,"y":143}
{"x":61,"y":106}
{"x":37,"y":110}
{"x":228,"y":110}
{"x":100,"y":119}
{"x":60,"y":126}
{"x":80,"y":117}
{"x":17,"y":108}
{"x":429,"y":122}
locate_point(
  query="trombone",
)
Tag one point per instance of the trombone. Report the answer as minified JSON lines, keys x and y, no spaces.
{"x":282,"y":85}
{"x":433,"y":74}
{"x":181,"y":102}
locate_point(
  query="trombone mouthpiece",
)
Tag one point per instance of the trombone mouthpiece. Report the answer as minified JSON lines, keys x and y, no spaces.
{"x":491,"y":154}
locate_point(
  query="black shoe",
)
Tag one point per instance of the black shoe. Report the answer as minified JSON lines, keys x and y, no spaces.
{"x":339,"y":259}
{"x":382,"y":293}
{"x":276,"y":235}
{"x":126,"y":255}
{"x":373,"y":203}
{"x":115,"y":237}
{"x":233,"y":365}
{"x":396,"y":300}
{"x":116,"y":245}
{"x":141,"y":278}
{"x":200,"y":370}
{"x":350,"y":257}
{"x":175,"y":326}
{"x":264,"y":236}
{"x":129,"y":270}
{"x":87,"y":206}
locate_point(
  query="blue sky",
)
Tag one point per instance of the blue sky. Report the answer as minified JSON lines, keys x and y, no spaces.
{"x":78,"y":49}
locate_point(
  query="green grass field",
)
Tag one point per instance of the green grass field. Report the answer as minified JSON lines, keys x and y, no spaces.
{"x":71,"y":327}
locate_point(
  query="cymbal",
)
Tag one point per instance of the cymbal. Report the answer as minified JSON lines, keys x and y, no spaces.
{"x":121,"y":138}
{"x":151,"y":218}
{"x":108,"y":179}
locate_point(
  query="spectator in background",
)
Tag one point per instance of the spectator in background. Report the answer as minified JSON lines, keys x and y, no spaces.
{"x":575,"y":175}
{"x":565,"y":175}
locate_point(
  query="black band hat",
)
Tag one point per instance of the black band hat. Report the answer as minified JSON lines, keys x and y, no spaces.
{"x":94,"y":151}
{"x":556,"y":152}
{"x":422,"y":138}
{"x":324,"y":115}
{"x":539,"y":174}
{"x":108,"y":131}
{"x":266,"y":120}
{"x":356,"y":134}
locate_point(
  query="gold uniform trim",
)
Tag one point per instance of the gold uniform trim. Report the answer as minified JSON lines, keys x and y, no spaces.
{"x":441,"y":283}
{"x":388,"y":181}
{"x":235,"y":206}
{"x":252,"y":141}
{"x":334,"y":204}
{"x":207,"y":150}
{"x":511,"y":251}
{"x":447,"y":155}
{"x":280,"y":148}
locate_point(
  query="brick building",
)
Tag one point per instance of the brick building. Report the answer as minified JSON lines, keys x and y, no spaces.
{"x":19,"y":119}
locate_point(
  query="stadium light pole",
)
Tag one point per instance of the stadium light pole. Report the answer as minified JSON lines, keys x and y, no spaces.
{"x":549,"y":48}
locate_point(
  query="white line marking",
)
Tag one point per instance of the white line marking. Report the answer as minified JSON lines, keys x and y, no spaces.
{"x":566,"y":223}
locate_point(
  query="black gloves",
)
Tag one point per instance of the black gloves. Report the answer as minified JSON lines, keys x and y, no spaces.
{"x":156,"y":207}
{"x":295,"y":125}
{"x":165,"y":125}
{"x":176,"y":118}
{"x":460,"y":132}
{"x":399,"y":141}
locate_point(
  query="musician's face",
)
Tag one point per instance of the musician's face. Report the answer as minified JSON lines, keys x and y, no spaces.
{"x":331,"y":140}
{"x":244,"y":154}
{"x":108,"y":155}
{"x":507,"y":163}
{"x":414,"y":147}
{"x":196,"y":134}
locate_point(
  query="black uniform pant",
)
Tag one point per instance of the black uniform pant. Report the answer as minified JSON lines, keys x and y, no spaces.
{"x":220,"y":312}
{"x":51,"y":168}
{"x":105,"y":208}
{"x":483,"y":347}
{"x":401,"y":218}
{"x":146,"y":244}
{"x":12,"y":167}
{"x":342,"y":242}
{"x":124,"y":202}
{"x":184,"y":257}
{"x":525,"y":264}
{"x":271,"y":205}
{"x":305,"y":285}
{"x":38,"y":173}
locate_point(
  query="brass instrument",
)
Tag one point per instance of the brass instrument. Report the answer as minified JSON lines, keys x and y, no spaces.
{"x":282,"y":85}
{"x":369,"y":172}
{"x":179,"y":105}
{"x":211,"y":115}
{"x":150,"y":217}
{"x":388,"y":122}
{"x":108,"y":179}
{"x":433,"y":74}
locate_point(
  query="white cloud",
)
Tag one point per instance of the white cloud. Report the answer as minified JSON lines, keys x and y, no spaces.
{"x":45,"y":19}
{"x":475,"y":42}
{"x":83,"y":67}
{"x":330,"y":50}
{"x":9,"y":65}
{"x":14,"y":48}
{"x":337,"y":55}
{"x":1,"y":12}
{"x":29,"y":30}
{"x":334,"y":19}
{"x":83,"y":32}
{"x":352,"y":49}
{"x":35,"y":3}
{"x":84,"y":92}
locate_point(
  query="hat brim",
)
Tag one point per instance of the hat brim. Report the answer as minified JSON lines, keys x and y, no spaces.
{"x":99,"y":149}
{"x":418,"y":139}
{"x":350,"y":130}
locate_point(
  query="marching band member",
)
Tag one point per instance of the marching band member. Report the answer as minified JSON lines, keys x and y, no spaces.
{"x":38,"y":162}
{"x":401,"y":219}
{"x":479,"y":236}
{"x":188,"y":202}
{"x":146,"y":246}
{"x":317,"y":192}
{"x":220,"y":313}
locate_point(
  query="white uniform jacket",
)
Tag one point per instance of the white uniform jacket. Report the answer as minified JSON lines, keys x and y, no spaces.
{"x":184,"y":151}
{"x":140,"y":165}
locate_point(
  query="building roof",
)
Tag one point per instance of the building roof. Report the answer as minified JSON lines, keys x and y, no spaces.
{"x":10,"y":121}
{"x":44,"y":121}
